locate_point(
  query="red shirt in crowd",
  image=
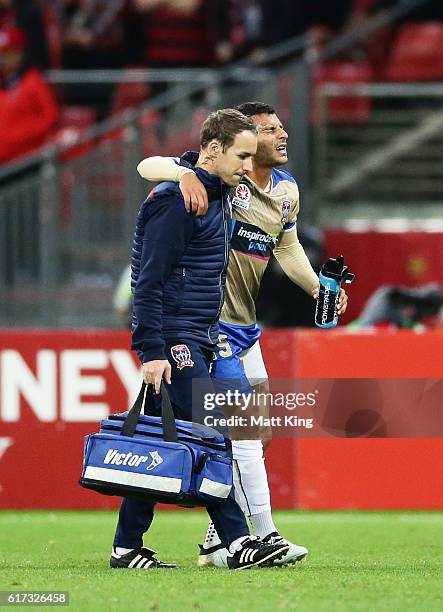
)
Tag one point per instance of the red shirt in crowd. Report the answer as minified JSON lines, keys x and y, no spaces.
{"x":28,"y":111}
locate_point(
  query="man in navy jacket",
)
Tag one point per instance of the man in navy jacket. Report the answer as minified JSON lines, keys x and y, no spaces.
{"x":178,"y":276}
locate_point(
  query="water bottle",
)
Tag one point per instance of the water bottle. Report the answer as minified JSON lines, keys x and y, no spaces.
{"x":332,"y":275}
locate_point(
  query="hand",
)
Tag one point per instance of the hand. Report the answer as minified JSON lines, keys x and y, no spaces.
{"x":342,"y":300}
{"x":153,"y":372}
{"x":194,"y":194}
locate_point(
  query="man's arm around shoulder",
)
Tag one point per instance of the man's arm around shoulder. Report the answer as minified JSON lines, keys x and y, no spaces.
{"x":194,"y":194}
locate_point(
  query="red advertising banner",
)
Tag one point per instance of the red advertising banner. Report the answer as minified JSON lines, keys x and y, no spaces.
{"x":396,"y":258}
{"x":369,"y":473}
{"x":55,"y":386}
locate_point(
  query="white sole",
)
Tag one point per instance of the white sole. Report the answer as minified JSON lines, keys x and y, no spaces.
{"x":298,"y":559}
{"x":208,"y":560}
{"x":274,"y":555}
{"x":203,"y":561}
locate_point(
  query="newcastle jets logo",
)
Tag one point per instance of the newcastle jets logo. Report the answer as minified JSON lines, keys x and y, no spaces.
{"x":156,"y":460}
{"x":285,"y":210}
{"x":182,"y":356}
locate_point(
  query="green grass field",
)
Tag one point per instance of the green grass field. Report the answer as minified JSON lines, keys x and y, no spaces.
{"x":358,"y":561}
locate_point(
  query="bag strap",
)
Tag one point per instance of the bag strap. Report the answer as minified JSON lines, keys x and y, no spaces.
{"x":168,"y":418}
{"x":128,"y":428}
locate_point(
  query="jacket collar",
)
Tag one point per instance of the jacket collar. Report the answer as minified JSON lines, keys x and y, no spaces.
{"x":212,"y":182}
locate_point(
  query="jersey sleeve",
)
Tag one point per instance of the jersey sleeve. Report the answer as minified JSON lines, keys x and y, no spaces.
{"x":158,"y":169}
{"x":291,"y":222}
{"x":293,"y":260}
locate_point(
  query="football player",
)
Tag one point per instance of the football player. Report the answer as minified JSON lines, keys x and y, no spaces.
{"x":265,"y":206}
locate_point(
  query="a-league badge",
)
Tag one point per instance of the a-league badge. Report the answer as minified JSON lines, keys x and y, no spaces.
{"x":182,"y":356}
{"x":285,"y":210}
{"x":242,"y":198}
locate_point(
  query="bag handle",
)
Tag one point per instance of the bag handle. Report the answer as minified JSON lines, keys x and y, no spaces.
{"x":168,"y":418}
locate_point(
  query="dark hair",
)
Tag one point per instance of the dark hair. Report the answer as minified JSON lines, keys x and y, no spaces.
{"x":224,"y":125}
{"x":255,"y":108}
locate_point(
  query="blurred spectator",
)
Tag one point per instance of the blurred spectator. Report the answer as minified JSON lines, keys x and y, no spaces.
{"x":93,"y":36}
{"x":432,"y":10}
{"x":244,"y":27}
{"x":284,"y":19}
{"x":28,"y":110}
{"x":27,"y":15}
{"x":93,"y":32}
{"x":402,"y":307}
{"x":122,"y":298}
{"x":189,"y":33}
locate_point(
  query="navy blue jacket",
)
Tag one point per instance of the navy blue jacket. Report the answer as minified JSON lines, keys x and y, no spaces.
{"x":179,"y":269}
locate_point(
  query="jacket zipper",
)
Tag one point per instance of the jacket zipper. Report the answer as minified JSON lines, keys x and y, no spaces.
{"x":225,"y":264}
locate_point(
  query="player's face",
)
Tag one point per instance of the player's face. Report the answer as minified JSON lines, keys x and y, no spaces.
{"x":233,"y":163}
{"x":272,"y":141}
{"x":10,"y":61}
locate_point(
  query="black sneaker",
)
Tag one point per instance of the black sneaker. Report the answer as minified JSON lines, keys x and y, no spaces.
{"x":139,"y":558}
{"x":295,"y":553}
{"x":255,"y":553}
{"x":215,"y":556}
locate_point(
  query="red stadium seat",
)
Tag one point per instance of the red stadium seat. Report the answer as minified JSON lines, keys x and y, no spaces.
{"x":78,"y":117}
{"x":285,"y":90}
{"x":417,"y":53}
{"x":176,"y":143}
{"x":148,"y":126}
{"x":128,"y":95}
{"x":73,"y":120}
{"x":345,"y":109}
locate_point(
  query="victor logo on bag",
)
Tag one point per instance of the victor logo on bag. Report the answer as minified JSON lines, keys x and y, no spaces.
{"x":156,"y":460}
{"x":116,"y":458}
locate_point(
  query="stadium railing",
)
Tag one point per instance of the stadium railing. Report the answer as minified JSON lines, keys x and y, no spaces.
{"x":67,"y":212}
{"x":387,"y":162}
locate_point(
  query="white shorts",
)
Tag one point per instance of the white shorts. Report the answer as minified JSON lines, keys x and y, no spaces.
{"x":253,"y":364}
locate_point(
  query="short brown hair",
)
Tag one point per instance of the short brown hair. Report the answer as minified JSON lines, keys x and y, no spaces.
{"x":224,"y":125}
{"x":255,"y":108}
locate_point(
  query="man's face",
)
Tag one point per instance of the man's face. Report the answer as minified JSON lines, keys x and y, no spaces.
{"x":232,"y":164}
{"x":10,"y":61}
{"x":272,"y":141}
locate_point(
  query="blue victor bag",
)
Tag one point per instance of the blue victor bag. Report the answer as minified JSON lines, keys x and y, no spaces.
{"x":157,"y":458}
